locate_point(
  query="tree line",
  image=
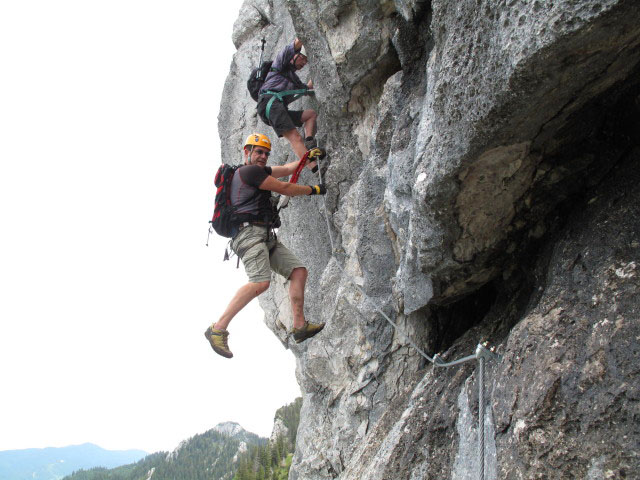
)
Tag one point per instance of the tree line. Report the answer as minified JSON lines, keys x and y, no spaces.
{"x":272,"y":461}
{"x":215,"y":456}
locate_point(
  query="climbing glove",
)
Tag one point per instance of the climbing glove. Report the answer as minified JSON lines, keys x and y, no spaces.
{"x":318,"y":189}
{"x":316,"y":154}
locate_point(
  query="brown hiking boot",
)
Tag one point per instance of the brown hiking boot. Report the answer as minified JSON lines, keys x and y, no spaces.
{"x":218,"y":341}
{"x":308,"y":330}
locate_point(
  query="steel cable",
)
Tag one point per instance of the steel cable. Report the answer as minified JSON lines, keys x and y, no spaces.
{"x":480,"y":355}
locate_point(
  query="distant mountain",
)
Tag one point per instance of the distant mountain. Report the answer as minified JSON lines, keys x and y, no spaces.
{"x":226,"y":452}
{"x":208,"y":456}
{"x":234,"y":430}
{"x":55,"y":463}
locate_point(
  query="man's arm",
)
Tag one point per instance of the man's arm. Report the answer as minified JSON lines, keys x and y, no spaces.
{"x":284,"y":188}
{"x":280,"y":171}
{"x":284,"y":56}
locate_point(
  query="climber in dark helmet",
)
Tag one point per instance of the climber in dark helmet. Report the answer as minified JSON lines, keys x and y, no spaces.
{"x":277,"y":93}
{"x":256,"y":244}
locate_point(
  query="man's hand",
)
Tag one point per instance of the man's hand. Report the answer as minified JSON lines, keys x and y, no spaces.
{"x":318,"y":189}
{"x":316,"y":154}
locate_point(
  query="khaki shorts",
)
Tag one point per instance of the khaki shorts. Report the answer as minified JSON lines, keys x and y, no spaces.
{"x":252,"y":246}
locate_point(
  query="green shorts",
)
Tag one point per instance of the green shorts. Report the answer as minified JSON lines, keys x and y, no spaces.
{"x":252,"y":246}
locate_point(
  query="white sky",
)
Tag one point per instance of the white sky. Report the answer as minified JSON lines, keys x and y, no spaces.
{"x":108,"y":147}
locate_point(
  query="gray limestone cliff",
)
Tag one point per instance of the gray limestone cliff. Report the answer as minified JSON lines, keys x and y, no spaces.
{"x":483,"y":186}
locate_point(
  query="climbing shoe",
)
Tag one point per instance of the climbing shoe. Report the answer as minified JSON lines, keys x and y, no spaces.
{"x":219,"y":341}
{"x":308,"y":330}
{"x":310,"y":143}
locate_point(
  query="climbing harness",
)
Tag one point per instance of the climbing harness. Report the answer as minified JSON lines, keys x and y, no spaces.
{"x":481,"y":354}
{"x":280,"y":96}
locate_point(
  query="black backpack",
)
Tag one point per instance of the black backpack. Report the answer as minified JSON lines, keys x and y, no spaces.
{"x":256,"y":79}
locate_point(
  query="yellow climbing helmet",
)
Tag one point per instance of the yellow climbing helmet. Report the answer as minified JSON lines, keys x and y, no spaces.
{"x":258,"y":140}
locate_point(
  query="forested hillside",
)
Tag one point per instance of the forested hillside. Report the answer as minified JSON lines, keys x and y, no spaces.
{"x":223,"y":453}
{"x":133,"y":471}
{"x":272,"y":460}
{"x":208,"y":456}
{"x":290,"y":416}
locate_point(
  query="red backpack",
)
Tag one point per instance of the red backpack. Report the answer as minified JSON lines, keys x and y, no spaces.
{"x":223,"y":212}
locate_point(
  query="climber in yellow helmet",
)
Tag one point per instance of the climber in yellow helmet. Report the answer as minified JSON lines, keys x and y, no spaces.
{"x":256,"y":244}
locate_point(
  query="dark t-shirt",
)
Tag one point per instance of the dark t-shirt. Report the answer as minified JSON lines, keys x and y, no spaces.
{"x":254,"y":175}
{"x":244,"y":186}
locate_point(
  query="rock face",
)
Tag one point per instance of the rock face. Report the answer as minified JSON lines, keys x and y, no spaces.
{"x":232,"y":429}
{"x":485,"y":163}
{"x":279,"y":430}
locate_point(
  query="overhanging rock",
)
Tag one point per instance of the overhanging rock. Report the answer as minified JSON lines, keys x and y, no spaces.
{"x":483,"y":185}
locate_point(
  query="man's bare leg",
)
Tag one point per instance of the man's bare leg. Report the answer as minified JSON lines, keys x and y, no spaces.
{"x":296,"y":141}
{"x":302,"y":329}
{"x":297,"y":281}
{"x":309,"y":120}
{"x":240,"y":300}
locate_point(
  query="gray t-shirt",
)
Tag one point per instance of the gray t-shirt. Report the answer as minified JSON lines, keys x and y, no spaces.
{"x":244,"y":185}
